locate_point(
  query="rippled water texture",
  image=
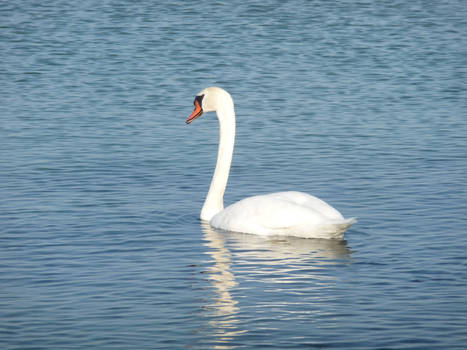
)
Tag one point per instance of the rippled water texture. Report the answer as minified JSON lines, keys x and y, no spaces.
{"x":362,"y":104}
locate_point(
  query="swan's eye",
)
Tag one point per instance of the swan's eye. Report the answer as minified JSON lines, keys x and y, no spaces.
{"x":199,"y":99}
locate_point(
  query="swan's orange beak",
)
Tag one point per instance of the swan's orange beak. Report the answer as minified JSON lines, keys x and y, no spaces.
{"x":197,"y":112}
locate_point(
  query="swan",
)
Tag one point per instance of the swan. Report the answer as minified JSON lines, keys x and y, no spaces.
{"x":282,"y":213}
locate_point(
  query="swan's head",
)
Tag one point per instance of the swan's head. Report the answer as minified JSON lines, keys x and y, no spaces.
{"x":210,"y":99}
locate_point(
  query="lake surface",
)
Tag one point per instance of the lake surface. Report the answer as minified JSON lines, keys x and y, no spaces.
{"x":363,"y":104}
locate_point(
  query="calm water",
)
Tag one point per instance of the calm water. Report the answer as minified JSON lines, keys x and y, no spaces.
{"x":362,"y":104}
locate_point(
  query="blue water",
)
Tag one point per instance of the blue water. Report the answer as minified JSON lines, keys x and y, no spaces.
{"x":363,"y":104}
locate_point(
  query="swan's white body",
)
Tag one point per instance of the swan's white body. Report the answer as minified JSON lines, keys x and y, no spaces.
{"x":282,"y":213}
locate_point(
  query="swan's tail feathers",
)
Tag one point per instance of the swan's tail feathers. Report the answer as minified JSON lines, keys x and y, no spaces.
{"x":340,"y":226}
{"x":348,"y":222}
{"x":332,"y":229}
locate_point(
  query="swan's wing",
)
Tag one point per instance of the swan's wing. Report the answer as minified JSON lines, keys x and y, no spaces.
{"x":308,"y":201}
{"x":277,"y":212}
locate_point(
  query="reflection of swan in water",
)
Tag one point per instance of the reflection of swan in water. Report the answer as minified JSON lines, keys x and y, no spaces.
{"x":288,"y":259}
{"x":224,"y":307}
{"x":288,"y":249}
{"x":220,"y":274}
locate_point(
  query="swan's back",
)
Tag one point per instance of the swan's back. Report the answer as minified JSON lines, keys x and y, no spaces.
{"x":283,"y":213}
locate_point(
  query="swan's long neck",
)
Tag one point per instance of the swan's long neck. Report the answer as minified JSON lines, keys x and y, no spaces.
{"x":214,"y":202}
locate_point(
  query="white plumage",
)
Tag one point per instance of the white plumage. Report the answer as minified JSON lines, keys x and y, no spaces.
{"x":281,"y":213}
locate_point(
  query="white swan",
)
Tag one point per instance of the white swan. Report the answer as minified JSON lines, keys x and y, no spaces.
{"x":282,"y":213}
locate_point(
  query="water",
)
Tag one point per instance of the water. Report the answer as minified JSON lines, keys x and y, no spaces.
{"x":362,"y":104}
